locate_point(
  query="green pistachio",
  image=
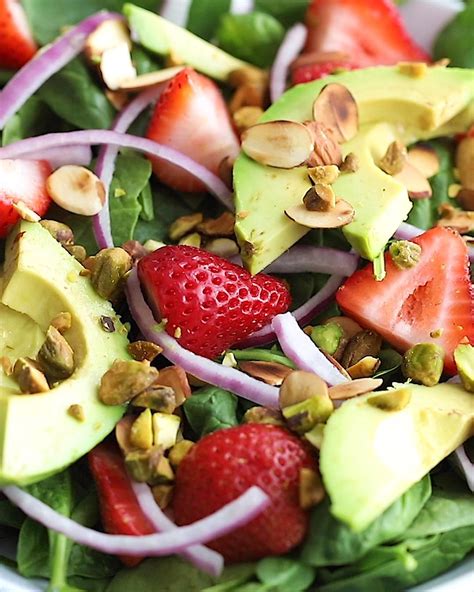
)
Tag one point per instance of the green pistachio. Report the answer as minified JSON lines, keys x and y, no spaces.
{"x":315,"y":435}
{"x":163,"y":495}
{"x":29,"y":377}
{"x":125,"y":380}
{"x":327,"y":337}
{"x":109,"y":268}
{"x":362,"y":344}
{"x":157,"y":398}
{"x":303,"y":416}
{"x":405,"y":254}
{"x":56,"y":357}
{"x":141,"y":432}
{"x":464,"y":358}
{"x":423,"y":363}
{"x":263,"y":415}
{"x":179,"y":451}
{"x":142,"y":464}
{"x":62,"y":233}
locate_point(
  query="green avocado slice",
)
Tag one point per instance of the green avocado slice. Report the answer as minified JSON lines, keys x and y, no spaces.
{"x":370,"y":457}
{"x":392,"y":105}
{"x":37,"y":434}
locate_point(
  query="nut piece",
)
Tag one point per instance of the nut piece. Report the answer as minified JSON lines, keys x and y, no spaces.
{"x":183,"y":225}
{"x":316,"y":435}
{"x":165,"y":429}
{"x":394,"y":159}
{"x":77,"y":411}
{"x":141,"y":432}
{"x":464,"y":359}
{"x":423,"y":363}
{"x":269,"y":372}
{"x":354,"y":388}
{"x":264,"y":415}
{"x":425,"y":159}
{"x":465,"y":162}
{"x":25,"y":212}
{"x":109,"y":268}
{"x":336,"y":108}
{"x":299,"y":386}
{"x":311,"y":490}
{"x":163,"y":494}
{"x":326,"y":148}
{"x":109,"y":33}
{"x":405,"y":254}
{"x":340,"y":215}
{"x":148,"y":80}
{"x":116,"y":66}
{"x":223,"y":247}
{"x":144,"y":351}
{"x":282,"y":144}
{"x":393,"y":400}
{"x":179,"y":451}
{"x":222,"y":226}
{"x":56,"y":357}
{"x":303,"y":416}
{"x":62,"y":233}
{"x":245,"y":117}
{"x":77,"y":251}
{"x":191,"y":240}
{"x":455,"y":218}
{"x":365,"y":343}
{"x":417,"y":185}
{"x":349,"y":326}
{"x":350,"y":164}
{"x":364,"y":368}
{"x":325,"y":174}
{"x":29,"y":377}
{"x":135,"y":249}
{"x":413,"y":69}
{"x":149,"y":466}
{"x":158,"y":398}
{"x":328,"y":337}
{"x":125,"y":380}
{"x":77,"y":190}
{"x":176,"y":378}
{"x":320,"y":198}
{"x":62,"y":322}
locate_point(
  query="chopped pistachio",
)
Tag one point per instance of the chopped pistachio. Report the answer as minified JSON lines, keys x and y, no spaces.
{"x":364,"y":368}
{"x":29,"y":377}
{"x":62,"y":321}
{"x":393,"y":400}
{"x":163,"y":495}
{"x":413,"y":69}
{"x":453,"y":190}
{"x":394,"y":159}
{"x":405,"y":254}
{"x":158,"y":398}
{"x":229,"y":360}
{"x":315,"y":435}
{"x":179,"y":451}
{"x":264,"y":415}
{"x":327,"y":337}
{"x":144,"y":351}
{"x":77,"y":411}
{"x":350,"y":164}
{"x":423,"y":363}
{"x":125,"y":380}
{"x":177,"y":333}
{"x":221,"y":226}
{"x":62,"y":233}
{"x":311,"y":490}
{"x":464,"y":359}
{"x":223,"y":247}
{"x":319,"y":198}
{"x":56,"y":357}
{"x":247,"y":116}
{"x":191,"y":240}
{"x":152,"y":245}
{"x":109,"y":268}
{"x":300,"y":386}
{"x":184,"y":225}
{"x":325,"y":174}
{"x":163,"y":474}
{"x":77,"y":251}
{"x":303,"y":416}
{"x":165,"y":429}
{"x":362,"y":344}
{"x":135,"y":249}
{"x":141,"y":432}
{"x":142,"y":465}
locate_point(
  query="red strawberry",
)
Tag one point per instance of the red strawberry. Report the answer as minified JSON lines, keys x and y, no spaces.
{"x":224,"y":465}
{"x":119,"y":508}
{"x":410,"y":304}
{"x":191,"y":116}
{"x":17,"y":45}
{"x":22,"y":180}
{"x":318,"y":69}
{"x":209,"y":302}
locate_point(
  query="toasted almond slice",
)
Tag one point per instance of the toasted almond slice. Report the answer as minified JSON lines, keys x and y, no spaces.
{"x":149,"y":79}
{"x":269,"y":372}
{"x":109,"y":33}
{"x":340,"y":215}
{"x":425,"y":159}
{"x":364,"y":368}
{"x":337,"y":109}
{"x":77,"y":190}
{"x":354,"y":388}
{"x":25,"y":212}
{"x":417,"y":185}
{"x":116,"y":66}
{"x":282,"y":144}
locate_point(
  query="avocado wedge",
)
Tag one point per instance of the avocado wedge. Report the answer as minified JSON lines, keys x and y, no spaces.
{"x":38,"y":435}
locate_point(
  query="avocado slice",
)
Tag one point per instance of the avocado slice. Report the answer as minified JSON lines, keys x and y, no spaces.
{"x":37,"y":434}
{"x":164,"y":38}
{"x":392,"y":106}
{"x":370,"y":456}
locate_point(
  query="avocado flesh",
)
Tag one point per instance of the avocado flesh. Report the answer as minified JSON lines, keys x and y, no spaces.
{"x":391,"y":106}
{"x":369,"y":457}
{"x":38,"y":437}
{"x":164,"y":38}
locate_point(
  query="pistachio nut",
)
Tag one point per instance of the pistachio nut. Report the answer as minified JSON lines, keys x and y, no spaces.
{"x":327,"y":337}
{"x":423,"y":363}
{"x":350,"y":164}
{"x":77,"y":251}
{"x":163,"y":494}
{"x":29,"y":377}
{"x":465,"y":162}
{"x":152,"y":245}
{"x":179,"y":451}
{"x":362,"y":344}
{"x":221,"y":226}
{"x":158,"y":398}
{"x":311,"y":490}
{"x":122,"y":433}
{"x":393,"y":400}
{"x":176,"y":378}
{"x":464,"y":359}
{"x":299,"y":386}
{"x":124,"y":380}
{"x":303,"y":416}
{"x":141,"y":432}
{"x":61,"y":232}
{"x":325,"y":174}
{"x":163,"y":473}
{"x":62,"y":322}
{"x":77,"y":411}
{"x":183,"y":225}
{"x":364,"y":368}
{"x":56,"y":357}
{"x":144,"y":351}
{"x":394,"y":159}
{"x":223,"y":247}
{"x":264,"y":415}
{"x":109,"y":268}
{"x":165,"y":429}
{"x":142,"y":465}
{"x":191,"y":240}
{"x":405,"y":254}
{"x":315,"y":435}
{"x":246,"y":116}
{"x":319,"y":198}
{"x":135,"y":249}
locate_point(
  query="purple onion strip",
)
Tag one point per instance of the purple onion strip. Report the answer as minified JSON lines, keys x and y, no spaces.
{"x":289,"y":50}
{"x":465,"y":465}
{"x":79,"y":155}
{"x":45,"y":63}
{"x":222,"y":376}
{"x":307,"y":258}
{"x":301,"y":350}
{"x":200,"y":556}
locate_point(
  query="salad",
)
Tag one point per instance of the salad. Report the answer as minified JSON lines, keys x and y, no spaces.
{"x":236,"y":303}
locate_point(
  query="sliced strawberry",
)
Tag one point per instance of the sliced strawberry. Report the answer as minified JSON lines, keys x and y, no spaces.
{"x":317,"y":70}
{"x":17,"y":45}
{"x":433,"y":297}
{"x":208,"y":303}
{"x":191,"y":116}
{"x":22,"y":180}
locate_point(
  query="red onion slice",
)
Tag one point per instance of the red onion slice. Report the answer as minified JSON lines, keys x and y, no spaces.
{"x":203,"y":558}
{"x":306,"y":258}
{"x":465,"y":465}
{"x":241,"y":6}
{"x":91,"y":137}
{"x":231,"y":516}
{"x":226,"y":378}
{"x":289,"y":50}
{"x":47,"y":62}
{"x":105,"y":165}
{"x":57,"y":157}
{"x":301,"y":350}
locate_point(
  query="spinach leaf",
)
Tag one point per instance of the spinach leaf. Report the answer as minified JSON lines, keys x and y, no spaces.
{"x":33,"y":119}
{"x":456,"y":41}
{"x":390,"y":362}
{"x":10,"y":515}
{"x":263,"y":355}
{"x":330,"y":542}
{"x":424,"y":213}
{"x":80,"y":225}
{"x":73,"y":95}
{"x":145,"y":199}
{"x":287,"y":12}
{"x":211,"y":409}
{"x":204,"y":16}
{"x":284,"y":573}
{"x":254,"y":37}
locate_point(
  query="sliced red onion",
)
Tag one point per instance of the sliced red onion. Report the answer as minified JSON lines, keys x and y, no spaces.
{"x":231,"y":516}
{"x":203,"y":558}
{"x":57,"y":157}
{"x":105,"y":165}
{"x":289,"y":50}
{"x":465,"y":465}
{"x":91,"y":137}
{"x":176,"y":12}
{"x":306,"y":258}
{"x":241,"y":6}
{"x":301,"y":350}
{"x":222,"y":376}
{"x":47,"y":62}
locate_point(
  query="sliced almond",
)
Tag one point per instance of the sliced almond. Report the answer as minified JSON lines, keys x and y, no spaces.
{"x":465,"y":162}
{"x":425,"y":159}
{"x":354,"y":388}
{"x":222,"y":226}
{"x":77,"y":190}
{"x":337,"y":109}
{"x":282,"y":144}
{"x":149,"y":79}
{"x":269,"y":372}
{"x":417,"y":185}
{"x":25,"y":212}
{"x":460,"y":220}
{"x":108,"y":34}
{"x":364,"y":368}
{"x":340,"y":215}
{"x":326,"y":147}
{"x":116,"y":66}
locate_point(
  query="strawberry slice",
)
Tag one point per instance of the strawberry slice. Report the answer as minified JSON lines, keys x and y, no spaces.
{"x":22,"y":180}
{"x":434,"y":297}
{"x":208,"y":303}
{"x":370,"y":32}
{"x":319,"y":69}
{"x":17,"y":45}
{"x":191,"y":116}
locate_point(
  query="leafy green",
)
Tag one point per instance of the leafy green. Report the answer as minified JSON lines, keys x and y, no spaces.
{"x":211,"y":409}
{"x":330,"y":542}
{"x":263,"y":355}
{"x":456,"y":41}
{"x":254,"y":37}
{"x":390,"y":362}
{"x":287,"y":12}
{"x":204,"y":16}
{"x":284,"y":573}
{"x":145,"y":199}
{"x":32,"y":119}
{"x":10,"y":515}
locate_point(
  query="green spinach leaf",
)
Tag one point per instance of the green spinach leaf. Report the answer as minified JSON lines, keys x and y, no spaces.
{"x":262,"y":355}
{"x":33,"y":119}
{"x":456,"y":41}
{"x":287,"y":12}
{"x":10,"y":515}
{"x":211,"y":409}
{"x":284,"y":573}
{"x":204,"y":16}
